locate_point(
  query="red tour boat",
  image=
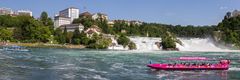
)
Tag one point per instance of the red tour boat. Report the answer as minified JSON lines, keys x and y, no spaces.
{"x":222,"y":65}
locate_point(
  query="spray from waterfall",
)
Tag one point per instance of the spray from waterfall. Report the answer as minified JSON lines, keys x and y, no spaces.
{"x":188,"y":44}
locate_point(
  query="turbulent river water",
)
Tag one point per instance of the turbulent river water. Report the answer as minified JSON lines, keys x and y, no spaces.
{"x":73,"y":64}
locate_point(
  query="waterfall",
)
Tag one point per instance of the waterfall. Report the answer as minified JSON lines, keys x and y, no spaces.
{"x":142,"y":43}
{"x":145,"y":43}
{"x":189,"y":44}
{"x":199,"y":44}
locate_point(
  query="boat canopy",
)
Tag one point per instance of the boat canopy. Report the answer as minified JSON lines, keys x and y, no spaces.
{"x":190,"y":58}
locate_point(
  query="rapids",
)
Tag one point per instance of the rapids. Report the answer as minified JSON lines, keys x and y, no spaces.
{"x":77,"y":64}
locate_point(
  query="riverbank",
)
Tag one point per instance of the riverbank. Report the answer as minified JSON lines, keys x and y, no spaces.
{"x":47,"y":45}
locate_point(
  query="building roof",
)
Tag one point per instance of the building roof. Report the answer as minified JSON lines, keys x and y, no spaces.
{"x":73,"y":8}
{"x":86,"y":14}
{"x":72,"y":25}
{"x":90,"y":32}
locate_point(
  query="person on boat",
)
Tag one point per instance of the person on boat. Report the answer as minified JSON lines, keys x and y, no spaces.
{"x":150,"y":61}
{"x":194,"y":64}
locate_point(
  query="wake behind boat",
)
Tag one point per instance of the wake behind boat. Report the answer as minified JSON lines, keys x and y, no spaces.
{"x":222,"y":65}
{"x":15,"y":48}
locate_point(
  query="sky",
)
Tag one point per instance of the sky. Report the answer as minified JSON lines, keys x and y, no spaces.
{"x":175,"y":12}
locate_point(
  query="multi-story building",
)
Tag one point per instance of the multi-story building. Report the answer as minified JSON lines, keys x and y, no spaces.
{"x":72,"y":27}
{"x":59,"y":21}
{"x":24,"y":12}
{"x":71,"y":12}
{"x":6,"y":11}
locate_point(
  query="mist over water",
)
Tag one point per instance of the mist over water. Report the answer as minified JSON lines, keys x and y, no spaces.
{"x":188,"y":44}
{"x":200,"y":44}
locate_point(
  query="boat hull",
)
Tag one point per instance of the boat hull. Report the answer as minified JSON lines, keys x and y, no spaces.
{"x":187,"y":68}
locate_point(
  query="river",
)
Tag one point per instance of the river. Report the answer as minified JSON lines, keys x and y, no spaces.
{"x":73,"y":64}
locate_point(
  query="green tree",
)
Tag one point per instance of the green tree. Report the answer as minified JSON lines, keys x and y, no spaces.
{"x":99,"y":42}
{"x":31,"y":30}
{"x":47,"y":21}
{"x":65,"y":34}
{"x":59,"y":37}
{"x":86,"y":21}
{"x":169,"y":41}
{"x":76,"y":36}
{"x":44,"y":18}
{"x":132,"y":46}
{"x":229,"y":30}
{"x":102,"y":23}
{"x":5,"y":34}
{"x":123,"y":40}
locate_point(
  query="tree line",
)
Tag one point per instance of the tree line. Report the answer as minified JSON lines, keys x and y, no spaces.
{"x":229,"y":29}
{"x":26,"y":28}
{"x":29,"y":29}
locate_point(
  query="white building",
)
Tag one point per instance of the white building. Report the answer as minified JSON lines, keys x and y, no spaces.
{"x":6,"y":11}
{"x":59,"y":21}
{"x":71,"y":12}
{"x":24,"y":12}
{"x":235,"y":13}
{"x":72,"y":27}
{"x":99,"y":16}
{"x":111,"y":23}
{"x":136,"y":22}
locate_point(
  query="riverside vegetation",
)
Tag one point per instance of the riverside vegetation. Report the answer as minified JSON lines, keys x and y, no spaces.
{"x":27,"y":29}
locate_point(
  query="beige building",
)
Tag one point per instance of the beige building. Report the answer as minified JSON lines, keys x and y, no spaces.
{"x":72,"y":27}
{"x":59,"y":21}
{"x":24,"y":12}
{"x":6,"y":11}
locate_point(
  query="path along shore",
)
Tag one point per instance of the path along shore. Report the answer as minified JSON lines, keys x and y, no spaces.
{"x":47,"y":45}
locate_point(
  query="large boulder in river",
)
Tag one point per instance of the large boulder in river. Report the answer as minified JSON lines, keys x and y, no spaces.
{"x":158,"y":44}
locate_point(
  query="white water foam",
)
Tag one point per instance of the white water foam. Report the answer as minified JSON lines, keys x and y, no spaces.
{"x":118,"y":66}
{"x":142,"y":44}
{"x":98,"y":77}
{"x":27,"y":67}
{"x":69,"y":75}
{"x":188,"y":44}
{"x":234,"y":69}
{"x":199,"y":44}
{"x":145,"y":43}
{"x":160,"y":76}
{"x":93,"y":77}
{"x":74,"y":67}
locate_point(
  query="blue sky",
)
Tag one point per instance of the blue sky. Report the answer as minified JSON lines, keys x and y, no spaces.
{"x":183,"y":12}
